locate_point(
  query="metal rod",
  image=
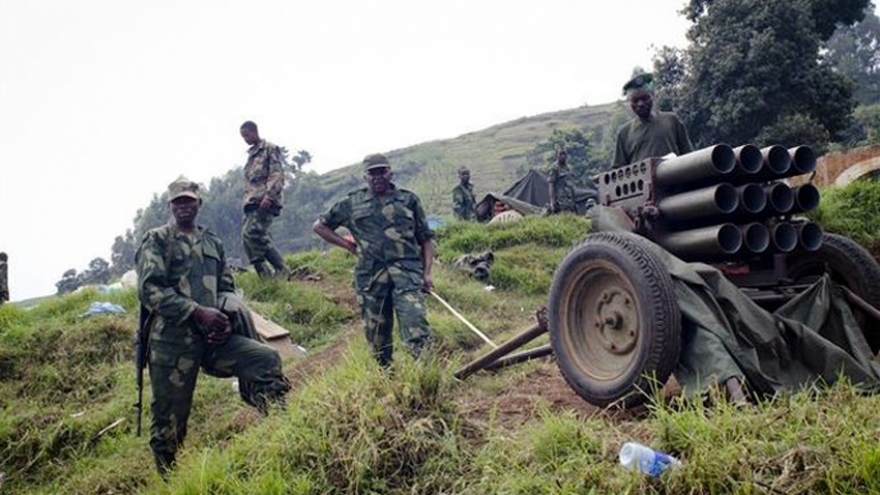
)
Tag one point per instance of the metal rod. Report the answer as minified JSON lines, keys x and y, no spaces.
{"x":520,"y":340}
{"x":522,"y":356}
{"x":861,"y":303}
{"x":463,"y":320}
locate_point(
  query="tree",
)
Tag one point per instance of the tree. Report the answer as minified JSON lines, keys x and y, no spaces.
{"x":69,"y":282}
{"x":854,"y":51}
{"x":122,"y":253}
{"x":578,"y":149}
{"x":754,"y":65}
{"x":98,"y":272}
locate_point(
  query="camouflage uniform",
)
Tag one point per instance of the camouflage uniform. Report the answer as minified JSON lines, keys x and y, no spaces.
{"x":264,"y":173}
{"x":389,"y":234}
{"x":4,"y":282}
{"x":463,"y":202}
{"x":177,"y":272}
{"x":560,"y":178}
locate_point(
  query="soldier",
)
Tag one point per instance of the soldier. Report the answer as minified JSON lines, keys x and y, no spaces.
{"x":648,"y":134}
{"x":183,"y":280}
{"x":263,"y":200}
{"x":4,"y":278}
{"x":463,"y":201}
{"x":392,"y":241}
{"x":561,"y":189}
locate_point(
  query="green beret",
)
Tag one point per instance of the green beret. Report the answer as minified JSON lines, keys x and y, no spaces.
{"x":642,"y":81}
{"x":183,"y":187}
{"x":376,"y":160}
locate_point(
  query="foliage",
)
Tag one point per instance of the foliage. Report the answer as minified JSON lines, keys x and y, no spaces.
{"x":854,"y":51}
{"x":753,"y":72}
{"x":122,"y":253}
{"x":853,"y":211}
{"x":98,"y":272}
{"x":579,"y":152}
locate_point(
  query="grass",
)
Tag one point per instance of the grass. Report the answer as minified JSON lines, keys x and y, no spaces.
{"x":351,"y":428}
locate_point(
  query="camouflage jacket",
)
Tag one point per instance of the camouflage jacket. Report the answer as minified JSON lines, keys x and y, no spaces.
{"x":178,"y":272}
{"x":264,"y":173}
{"x":389,"y":235}
{"x":464,"y":202}
{"x":560,"y":178}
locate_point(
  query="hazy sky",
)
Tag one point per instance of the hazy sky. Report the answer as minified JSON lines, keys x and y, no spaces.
{"x":104,"y":102}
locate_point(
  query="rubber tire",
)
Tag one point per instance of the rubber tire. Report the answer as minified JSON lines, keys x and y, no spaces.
{"x":633,"y":267}
{"x":850,"y":265}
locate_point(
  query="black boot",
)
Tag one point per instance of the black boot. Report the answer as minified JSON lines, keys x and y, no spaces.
{"x":274,"y":257}
{"x":262,"y":270}
{"x":164,"y":463}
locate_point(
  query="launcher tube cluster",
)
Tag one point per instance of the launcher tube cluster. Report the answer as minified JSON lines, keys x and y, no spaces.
{"x":720,"y":202}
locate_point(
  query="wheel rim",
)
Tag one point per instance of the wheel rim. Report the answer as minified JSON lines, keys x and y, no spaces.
{"x":603,"y":322}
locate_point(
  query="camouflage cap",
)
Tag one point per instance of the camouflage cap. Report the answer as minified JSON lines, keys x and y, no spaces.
{"x":462,"y":170}
{"x":376,"y":160}
{"x":642,"y":81}
{"x":183,"y":187}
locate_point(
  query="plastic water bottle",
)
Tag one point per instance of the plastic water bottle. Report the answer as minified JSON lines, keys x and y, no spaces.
{"x":644,"y":459}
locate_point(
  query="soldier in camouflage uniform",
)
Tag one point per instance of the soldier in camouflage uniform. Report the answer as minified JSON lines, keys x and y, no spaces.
{"x":4,"y":278}
{"x":263,"y":200}
{"x":463,"y":201}
{"x":561,"y":188}
{"x":184,"y":282}
{"x":393,"y":244}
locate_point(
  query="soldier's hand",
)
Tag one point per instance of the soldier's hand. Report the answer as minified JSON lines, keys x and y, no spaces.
{"x":428,"y":282}
{"x":219,"y":337}
{"x":212,"y":319}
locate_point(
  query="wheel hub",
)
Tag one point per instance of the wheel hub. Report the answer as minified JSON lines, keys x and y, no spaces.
{"x":617,"y":321}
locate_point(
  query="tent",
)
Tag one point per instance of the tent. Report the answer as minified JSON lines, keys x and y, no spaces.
{"x":529,"y":195}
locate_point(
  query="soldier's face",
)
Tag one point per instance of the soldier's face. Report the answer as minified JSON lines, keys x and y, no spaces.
{"x":185,"y":210}
{"x":641,"y":102}
{"x":379,"y":179}
{"x":465,"y":177}
{"x":250,"y":137}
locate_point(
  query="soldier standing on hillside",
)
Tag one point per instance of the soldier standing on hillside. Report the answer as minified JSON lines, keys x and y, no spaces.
{"x":392,"y":241}
{"x":182,"y":280}
{"x":561,"y":189}
{"x":463,"y":200}
{"x":648,"y":134}
{"x":4,"y":278}
{"x":263,"y":200}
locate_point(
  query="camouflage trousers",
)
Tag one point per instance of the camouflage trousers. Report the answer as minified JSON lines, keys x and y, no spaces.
{"x":174,"y":368}
{"x":378,"y":306}
{"x":255,"y":234}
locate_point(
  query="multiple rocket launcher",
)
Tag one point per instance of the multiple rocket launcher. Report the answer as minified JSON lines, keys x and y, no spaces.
{"x":719,"y":203}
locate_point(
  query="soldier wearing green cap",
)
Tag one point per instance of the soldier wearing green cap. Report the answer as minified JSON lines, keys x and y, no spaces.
{"x":197,"y":322}
{"x":4,"y":278}
{"x":648,"y":134}
{"x":392,"y":241}
{"x":463,"y":200}
{"x":263,"y":199}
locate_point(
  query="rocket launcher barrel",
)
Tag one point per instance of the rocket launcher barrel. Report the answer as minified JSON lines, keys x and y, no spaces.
{"x":810,"y":236}
{"x":709,"y":201}
{"x":701,"y":166}
{"x":705,"y":242}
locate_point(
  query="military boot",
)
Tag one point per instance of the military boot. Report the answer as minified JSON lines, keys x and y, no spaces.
{"x":164,"y":463}
{"x":262,"y":270}
{"x":274,"y":257}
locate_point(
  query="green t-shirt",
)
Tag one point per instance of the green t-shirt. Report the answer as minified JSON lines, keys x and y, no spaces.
{"x":659,"y":136}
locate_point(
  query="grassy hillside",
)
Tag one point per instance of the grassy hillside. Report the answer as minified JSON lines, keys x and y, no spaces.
{"x":496,"y":156}
{"x":66,"y":382}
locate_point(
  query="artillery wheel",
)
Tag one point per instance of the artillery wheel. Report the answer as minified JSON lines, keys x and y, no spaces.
{"x":850,"y":265}
{"x":614,"y":322}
